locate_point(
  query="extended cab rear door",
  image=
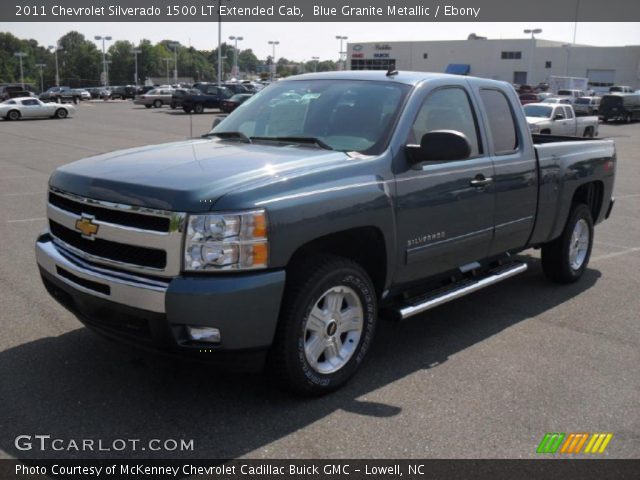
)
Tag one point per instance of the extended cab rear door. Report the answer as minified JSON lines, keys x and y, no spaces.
{"x":515,"y":181}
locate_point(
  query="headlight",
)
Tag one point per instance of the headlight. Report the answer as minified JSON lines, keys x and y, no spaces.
{"x":230,"y":241}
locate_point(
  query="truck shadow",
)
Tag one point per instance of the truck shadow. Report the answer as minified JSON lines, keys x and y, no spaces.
{"x":79,"y":386}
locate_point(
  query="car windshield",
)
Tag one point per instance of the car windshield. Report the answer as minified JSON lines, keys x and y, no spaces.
{"x":538,"y":111}
{"x":346,"y":115}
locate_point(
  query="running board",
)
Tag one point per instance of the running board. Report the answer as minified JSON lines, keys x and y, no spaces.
{"x":459,"y":289}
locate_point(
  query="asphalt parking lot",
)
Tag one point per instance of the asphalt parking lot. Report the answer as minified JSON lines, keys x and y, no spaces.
{"x":484,"y":376}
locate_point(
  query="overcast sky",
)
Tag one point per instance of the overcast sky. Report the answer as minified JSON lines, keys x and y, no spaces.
{"x":300,"y":41}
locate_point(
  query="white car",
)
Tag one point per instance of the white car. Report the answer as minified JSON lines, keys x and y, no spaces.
{"x":29,"y":107}
{"x":564,"y":100}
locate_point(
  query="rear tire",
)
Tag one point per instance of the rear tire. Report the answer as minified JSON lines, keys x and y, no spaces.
{"x":565,"y":259}
{"x":147,"y":106}
{"x":326,"y":325}
{"x":199,"y":108}
{"x":157,"y":104}
{"x":13,"y":115}
{"x":588,"y":132}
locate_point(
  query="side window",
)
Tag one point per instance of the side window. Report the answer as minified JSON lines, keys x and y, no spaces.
{"x":447,"y":109}
{"x":559,"y":111}
{"x":502,"y":128}
{"x":568,"y":112}
{"x":29,"y":102}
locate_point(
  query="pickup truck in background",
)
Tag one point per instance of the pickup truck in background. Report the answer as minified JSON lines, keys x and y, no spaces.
{"x":326,"y":201}
{"x":559,"y":119}
{"x":210,"y":97}
{"x":60,"y":95}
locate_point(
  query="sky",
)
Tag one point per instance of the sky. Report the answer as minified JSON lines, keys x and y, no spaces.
{"x":301,"y":41}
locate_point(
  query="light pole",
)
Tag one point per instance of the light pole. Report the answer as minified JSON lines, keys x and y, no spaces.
{"x":41,"y":67}
{"x":55,"y":52}
{"x":235,"y":55}
{"x":533,"y":32}
{"x":567,"y":47}
{"x":273,"y":44}
{"x":135,"y":52}
{"x":315,"y":63}
{"x":104,"y":38}
{"x":174,"y":46}
{"x":341,"y":38}
{"x":219,"y":46}
{"x":167,"y":60}
{"x":21,"y":55}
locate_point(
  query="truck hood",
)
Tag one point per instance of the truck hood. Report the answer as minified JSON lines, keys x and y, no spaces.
{"x":190,"y":175}
{"x":537,"y":120}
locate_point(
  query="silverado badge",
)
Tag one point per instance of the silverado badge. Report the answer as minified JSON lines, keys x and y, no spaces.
{"x":86,"y":226}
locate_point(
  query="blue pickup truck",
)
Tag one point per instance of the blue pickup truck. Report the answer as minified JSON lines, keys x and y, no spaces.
{"x":322,"y":203}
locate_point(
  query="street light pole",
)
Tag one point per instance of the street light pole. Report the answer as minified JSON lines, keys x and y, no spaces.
{"x":235,"y":55}
{"x":104,"y":57}
{"x":135,"y":52}
{"x":55,"y":52}
{"x":341,"y":38}
{"x":533,"y":32}
{"x":273,"y":44}
{"x":219,"y":46}
{"x":21,"y":55}
{"x":174,"y":46}
{"x":167,"y":60}
{"x":41,"y":67}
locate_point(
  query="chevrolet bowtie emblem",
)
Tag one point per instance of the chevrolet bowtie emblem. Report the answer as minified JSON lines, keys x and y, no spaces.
{"x":86,"y":226}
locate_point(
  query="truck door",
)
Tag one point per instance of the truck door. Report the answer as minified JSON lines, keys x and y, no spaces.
{"x":444,"y":208}
{"x":515,"y":183}
{"x":572,"y":124}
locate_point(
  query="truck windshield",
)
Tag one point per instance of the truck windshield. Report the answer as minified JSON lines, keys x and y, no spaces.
{"x":539,"y":111}
{"x":346,"y":115}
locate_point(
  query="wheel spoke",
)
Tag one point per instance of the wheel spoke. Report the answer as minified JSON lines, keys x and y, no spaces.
{"x":351,"y":319}
{"x":314,"y":348}
{"x":316,"y":322}
{"x":333,"y":302}
{"x":332,"y":353}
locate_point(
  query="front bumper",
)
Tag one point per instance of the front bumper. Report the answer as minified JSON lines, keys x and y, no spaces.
{"x":155,"y":312}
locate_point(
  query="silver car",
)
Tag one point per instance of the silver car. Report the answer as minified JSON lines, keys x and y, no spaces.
{"x":586,"y":105}
{"x":155,"y":98}
{"x":29,"y":107}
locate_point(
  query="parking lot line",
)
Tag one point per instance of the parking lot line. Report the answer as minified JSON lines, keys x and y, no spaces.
{"x":20,"y":194}
{"x":27,"y":220}
{"x":615,"y":254}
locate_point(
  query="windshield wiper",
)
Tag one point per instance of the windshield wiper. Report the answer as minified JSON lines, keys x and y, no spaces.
{"x":304,"y":140}
{"x":233,"y":135}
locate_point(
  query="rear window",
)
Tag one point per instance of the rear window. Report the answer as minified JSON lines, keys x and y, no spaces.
{"x":611,"y":100}
{"x":502,"y":128}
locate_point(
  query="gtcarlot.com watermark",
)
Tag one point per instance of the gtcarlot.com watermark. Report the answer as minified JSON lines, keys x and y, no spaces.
{"x":45,"y":443}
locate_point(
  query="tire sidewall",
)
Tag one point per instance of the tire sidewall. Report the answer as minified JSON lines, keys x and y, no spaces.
{"x":581,"y":211}
{"x":61,"y":113}
{"x":13,"y":115}
{"x":359,"y":282}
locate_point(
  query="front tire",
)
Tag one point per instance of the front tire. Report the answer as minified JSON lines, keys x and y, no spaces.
{"x":199,"y":108}
{"x":326,"y":325}
{"x":565,"y":259}
{"x":157,"y":104}
{"x":147,"y":106}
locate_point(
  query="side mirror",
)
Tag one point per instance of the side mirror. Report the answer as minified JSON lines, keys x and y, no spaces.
{"x":558,"y":116}
{"x":439,"y":145}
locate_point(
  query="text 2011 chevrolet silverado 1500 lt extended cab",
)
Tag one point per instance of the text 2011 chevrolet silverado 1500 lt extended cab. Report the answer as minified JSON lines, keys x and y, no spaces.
{"x":319,"y":202}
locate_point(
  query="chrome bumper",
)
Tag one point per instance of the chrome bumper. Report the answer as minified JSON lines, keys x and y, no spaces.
{"x":123,"y":288}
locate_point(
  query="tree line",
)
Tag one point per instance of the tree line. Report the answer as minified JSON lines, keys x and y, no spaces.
{"x":80,"y":62}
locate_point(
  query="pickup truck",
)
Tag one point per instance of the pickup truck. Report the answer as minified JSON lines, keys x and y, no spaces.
{"x":559,"y":119}
{"x":61,"y":94}
{"x":326,"y":201}
{"x":210,"y":97}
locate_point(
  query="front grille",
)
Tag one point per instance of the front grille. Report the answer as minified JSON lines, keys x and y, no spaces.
{"x":119,"y":252}
{"x":119,"y":217}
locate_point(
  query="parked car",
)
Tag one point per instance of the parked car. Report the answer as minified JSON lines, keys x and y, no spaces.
{"x":586,"y":105}
{"x":179,"y":93}
{"x":563,"y":100}
{"x":620,"y":106}
{"x":210,"y":97}
{"x":123,"y":92}
{"x":13,"y":91}
{"x":61,"y":94}
{"x":526,"y":98}
{"x":236,"y":88}
{"x":155,"y":98}
{"x":570,"y":94}
{"x":559,"y":120}
{"x":230,"y":104}
{"x":144,"y":89}
{"x":284,"y":232}
{"x":99,"y":92}
{"x":30,"y":107}
{"x":84,"y":94}
{"x":621,"y":89}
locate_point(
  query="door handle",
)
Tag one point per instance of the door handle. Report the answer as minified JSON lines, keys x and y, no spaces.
{"x":481,"y":181}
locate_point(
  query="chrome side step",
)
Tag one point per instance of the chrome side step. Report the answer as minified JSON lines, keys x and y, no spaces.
{"x":459,"y":289}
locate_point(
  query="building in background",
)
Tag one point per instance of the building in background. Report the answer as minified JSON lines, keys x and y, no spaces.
{"x":521,"y":61}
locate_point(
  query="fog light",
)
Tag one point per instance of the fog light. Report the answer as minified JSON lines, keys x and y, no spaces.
{"x":203,"y":334}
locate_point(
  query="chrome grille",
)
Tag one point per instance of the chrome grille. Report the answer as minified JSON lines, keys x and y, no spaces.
{"x":136,"y":239}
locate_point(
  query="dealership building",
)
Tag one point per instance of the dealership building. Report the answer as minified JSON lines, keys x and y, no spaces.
{"x":522,"y":61}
